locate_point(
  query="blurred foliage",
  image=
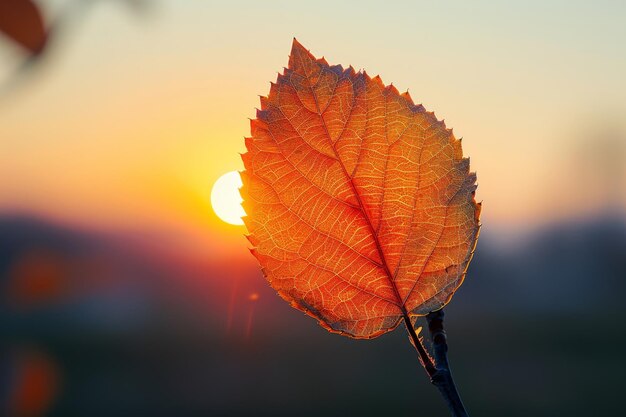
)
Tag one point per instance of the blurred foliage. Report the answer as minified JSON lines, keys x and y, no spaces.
{"x":22,"y":21}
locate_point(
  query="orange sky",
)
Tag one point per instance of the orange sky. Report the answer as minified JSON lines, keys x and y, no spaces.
{"x":133,"y":116}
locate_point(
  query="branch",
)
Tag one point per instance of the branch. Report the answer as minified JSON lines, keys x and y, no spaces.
{"x":442,"y":377}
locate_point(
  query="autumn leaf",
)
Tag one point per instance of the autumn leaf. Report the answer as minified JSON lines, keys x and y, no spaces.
{"x":360,"y":205}
{"x":21,"y":20}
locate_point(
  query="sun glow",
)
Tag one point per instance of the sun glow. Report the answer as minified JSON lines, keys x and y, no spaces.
{"x":225,"y":198}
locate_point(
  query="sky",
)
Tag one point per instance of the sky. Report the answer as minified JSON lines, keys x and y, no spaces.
{"x":136,"y":111}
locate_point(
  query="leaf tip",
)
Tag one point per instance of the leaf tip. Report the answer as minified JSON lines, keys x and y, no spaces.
{"x":297,"y":48}
{"x":407,"y":96}
{"x":245,"y":158}
{"x":392,"y":88}
{"x":379,"y":81}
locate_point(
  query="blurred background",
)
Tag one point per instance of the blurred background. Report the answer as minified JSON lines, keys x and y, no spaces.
{"x":121,"y":293}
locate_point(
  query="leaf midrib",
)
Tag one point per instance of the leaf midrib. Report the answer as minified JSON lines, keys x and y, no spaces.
{"x":381,"y":254}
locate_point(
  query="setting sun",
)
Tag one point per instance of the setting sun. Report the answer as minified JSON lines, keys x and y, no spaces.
{"x":225,"y":198}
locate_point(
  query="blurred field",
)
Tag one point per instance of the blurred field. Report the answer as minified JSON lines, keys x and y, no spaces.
{"x":537,"y":330}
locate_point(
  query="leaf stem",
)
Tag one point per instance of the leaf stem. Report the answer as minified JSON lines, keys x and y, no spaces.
{"x":439,"y":372}
{"x":425,"y":359}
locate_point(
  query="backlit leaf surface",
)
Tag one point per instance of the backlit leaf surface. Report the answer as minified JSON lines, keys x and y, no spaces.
{"x":360,"y":204}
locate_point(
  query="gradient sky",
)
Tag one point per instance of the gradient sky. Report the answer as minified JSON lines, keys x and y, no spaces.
{"x":135,"y":113}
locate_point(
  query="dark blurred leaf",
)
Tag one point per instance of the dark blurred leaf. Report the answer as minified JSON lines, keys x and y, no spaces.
{"x":22,"y":21}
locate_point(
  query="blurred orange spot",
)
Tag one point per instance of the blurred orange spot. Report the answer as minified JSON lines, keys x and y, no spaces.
{"x":37,"y":276}
{"x":253,"y":296}
{"x":35,"y":387}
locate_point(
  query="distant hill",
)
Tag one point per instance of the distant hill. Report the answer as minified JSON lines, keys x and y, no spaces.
{"x":568,"y":267}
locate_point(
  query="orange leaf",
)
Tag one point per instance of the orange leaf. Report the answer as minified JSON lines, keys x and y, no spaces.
{"x":21,"y":20}
{"x":360,"y":204}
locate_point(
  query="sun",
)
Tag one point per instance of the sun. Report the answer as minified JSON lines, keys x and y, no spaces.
{"x":225,"y":198}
